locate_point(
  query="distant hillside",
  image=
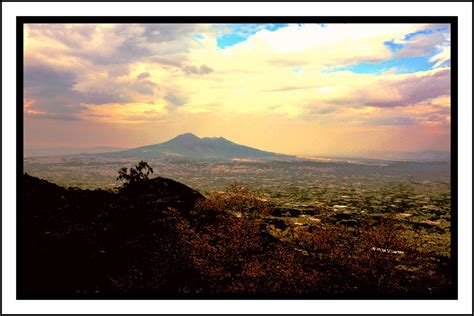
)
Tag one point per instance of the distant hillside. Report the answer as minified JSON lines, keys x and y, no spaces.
{"x":189,"y":146}
{"x":429,"y":155}
{"x":420,"y":156}
{"x":60,"y":151}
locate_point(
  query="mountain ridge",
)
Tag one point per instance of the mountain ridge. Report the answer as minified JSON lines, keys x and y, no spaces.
{"x":190,"y":146}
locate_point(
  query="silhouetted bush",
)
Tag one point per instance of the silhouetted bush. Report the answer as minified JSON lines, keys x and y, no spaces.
{"x":140,"y":173}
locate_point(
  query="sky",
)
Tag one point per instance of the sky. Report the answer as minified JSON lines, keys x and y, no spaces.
{"x":304,"y":89}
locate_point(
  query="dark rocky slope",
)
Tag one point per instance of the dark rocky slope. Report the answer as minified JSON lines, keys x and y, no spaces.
{"x":94,"y":241}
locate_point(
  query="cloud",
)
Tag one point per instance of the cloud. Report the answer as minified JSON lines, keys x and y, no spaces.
{"x":176,"y":98}
{"x":114,"y":71}
{"x":175,"y":60}
{"x":416,"y":88}
{"x":54,"y":116}
{"x":179,"y":63}
{"x":75,"y":36}
{"x":399,"y":90}
{"x":203,"y":70}
{"x":434,"y":41}
{"x":290,"y":88}
{"x":400,"y":120}
{"x":442,"y":57}
{"x":52,"y":91}
{"x":145,"y":87}
{"x":131,"y":113}
{"x":57,"y":97}
{"x":143,"y":75}
{"x":69,"y":67}
{"x":424,"y":43}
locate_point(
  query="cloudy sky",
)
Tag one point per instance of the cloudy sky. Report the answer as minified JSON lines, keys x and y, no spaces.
{"x":309,"y":89}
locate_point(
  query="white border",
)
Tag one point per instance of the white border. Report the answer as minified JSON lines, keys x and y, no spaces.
{"x":462,"y":10}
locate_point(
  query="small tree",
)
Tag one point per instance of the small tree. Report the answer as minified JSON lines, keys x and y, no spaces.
{"x":141,"y":172}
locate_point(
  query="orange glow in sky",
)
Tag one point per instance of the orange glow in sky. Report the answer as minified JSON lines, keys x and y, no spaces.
{"x":311,"y":89}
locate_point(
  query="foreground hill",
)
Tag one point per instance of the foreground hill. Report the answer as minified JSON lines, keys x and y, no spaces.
{"x":189,"y":146}
{"x":89,"y":241}
{"x":158,"y":238}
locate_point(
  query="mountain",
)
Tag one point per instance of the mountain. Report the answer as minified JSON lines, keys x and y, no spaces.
{"x":189,"y":146}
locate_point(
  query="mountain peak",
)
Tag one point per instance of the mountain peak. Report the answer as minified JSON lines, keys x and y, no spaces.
{"x":186,"y":137}
{"x":214,"y":138}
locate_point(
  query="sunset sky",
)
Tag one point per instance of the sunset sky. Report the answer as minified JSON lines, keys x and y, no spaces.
{"x":308,"y":89}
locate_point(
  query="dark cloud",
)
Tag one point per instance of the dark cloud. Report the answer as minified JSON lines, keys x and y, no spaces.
{"x":179,"y":62}
{"x":175,"y":61}
{"x":119,"y":44}
{"x":324,"y":109}
{"x":176,"y":98}
{"x":415,"y":89}
{"x":52,"y":90}
{"x":169,"y":32}
{"x":206,"y":69}
{"x":114,"y":71}
{"x":290,"y":88}
{"x":444,"y":111}
{"x":438,"y":119}
{"x":409,"y":91}
{"x":143,"y":75}
{"x":425,"y":42}
{"x":275,"y":107}
{"x":54,"y":116}
{"x":75,"y":36}
{"x":423,"y":45}
{"x":318,"y":111}
{"x":145,"y":87}
{"x":392,"y":121}
{"x":114,"y":94}
{"x":147,"y":40}
{"x":203,"y":70}
{"x":55,"y":96}
{"x":289,"y":61}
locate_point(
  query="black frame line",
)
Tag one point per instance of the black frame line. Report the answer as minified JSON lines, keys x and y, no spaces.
{"x":452,"y":20}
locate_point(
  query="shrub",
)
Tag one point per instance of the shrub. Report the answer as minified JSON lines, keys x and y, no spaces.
{"x":372,"y":259}
{"x":235,"y":199}
{"x":234,"y":255}
{"x":140,"y":173}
